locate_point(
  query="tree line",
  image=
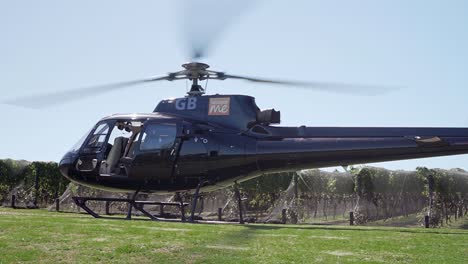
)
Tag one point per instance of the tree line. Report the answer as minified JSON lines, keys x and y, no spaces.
{"x":32,"y":183}
{"x":371,"y":193}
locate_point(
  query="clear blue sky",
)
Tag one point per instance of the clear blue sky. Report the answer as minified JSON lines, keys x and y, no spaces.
{"x":421,"y":46}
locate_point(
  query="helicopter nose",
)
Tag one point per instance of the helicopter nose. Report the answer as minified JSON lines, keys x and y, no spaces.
{"x":63,"y":167}
{"x":65,"y":164}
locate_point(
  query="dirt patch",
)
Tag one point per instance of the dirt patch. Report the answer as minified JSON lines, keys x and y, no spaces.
{"x":276,"y":235}
{"x":100,"y":239}
{"x":339,"y":253}
{"x":226,"y":247}
{"x":193,"y":258}
{"x":331,"y":237}
{"x":164,"y":228}
{"x":21,"y":213}
{"x":116,"y":229}
{"x":168,"y":249}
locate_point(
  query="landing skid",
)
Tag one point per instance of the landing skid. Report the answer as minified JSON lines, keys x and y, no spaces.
{"x":138,"y":205}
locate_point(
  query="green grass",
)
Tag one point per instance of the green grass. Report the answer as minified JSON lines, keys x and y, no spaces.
{"x":39,"y":236}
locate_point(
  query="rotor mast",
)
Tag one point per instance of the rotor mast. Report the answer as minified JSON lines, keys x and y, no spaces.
{"x":196,"y":71}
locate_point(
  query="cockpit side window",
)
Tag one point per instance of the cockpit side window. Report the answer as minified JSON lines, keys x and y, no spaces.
{"x":126,"y":133}
{"x":119,"y":131}
{"x":158,"y":136}
{"x":123,"y":135}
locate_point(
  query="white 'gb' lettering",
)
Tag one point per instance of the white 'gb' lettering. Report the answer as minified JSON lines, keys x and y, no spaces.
{"x":186,"y":103}
{"x":180,"y":104}
{"x":191,"y":103}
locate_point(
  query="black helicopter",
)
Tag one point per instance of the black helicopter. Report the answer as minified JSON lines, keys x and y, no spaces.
{"x":207,"y":142}
{"x":213,"y":141}
{"x":200,"y":143}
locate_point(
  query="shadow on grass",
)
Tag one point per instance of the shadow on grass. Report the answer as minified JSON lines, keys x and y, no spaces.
{"x":342,"y":228}
{"x":304,"y":227}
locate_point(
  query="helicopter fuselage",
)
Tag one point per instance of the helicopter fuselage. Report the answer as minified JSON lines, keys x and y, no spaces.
{"x":222,"y":139}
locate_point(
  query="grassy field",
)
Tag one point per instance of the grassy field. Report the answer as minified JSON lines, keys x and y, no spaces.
{"x":45,"y":237}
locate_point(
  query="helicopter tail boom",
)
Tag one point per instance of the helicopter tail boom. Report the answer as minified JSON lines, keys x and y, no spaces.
{"x":371,"y":132}
{"x":325,"y":147}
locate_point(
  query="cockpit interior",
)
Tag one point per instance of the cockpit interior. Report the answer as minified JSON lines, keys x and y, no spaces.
{"x":114,"y":143}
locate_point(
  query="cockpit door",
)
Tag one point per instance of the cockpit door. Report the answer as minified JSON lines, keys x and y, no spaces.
{"x":94,"y":149}
{"x":155,"y":153}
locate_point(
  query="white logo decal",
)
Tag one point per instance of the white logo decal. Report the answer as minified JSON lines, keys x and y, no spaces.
{"x":219,"y":106}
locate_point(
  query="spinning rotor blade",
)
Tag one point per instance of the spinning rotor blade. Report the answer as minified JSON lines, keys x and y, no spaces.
{"x":55,"y":98}
{"x":320,"y":86}
{"x":205,"y":20}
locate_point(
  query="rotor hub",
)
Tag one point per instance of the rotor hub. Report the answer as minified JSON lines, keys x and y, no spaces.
{"x":194,"y":66}
{"x":195,"y":70}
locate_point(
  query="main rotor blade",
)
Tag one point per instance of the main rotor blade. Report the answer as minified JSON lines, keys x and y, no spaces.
{"x":361,"y":89}
{"x":205,"y":20}
{"x":56,"y":98}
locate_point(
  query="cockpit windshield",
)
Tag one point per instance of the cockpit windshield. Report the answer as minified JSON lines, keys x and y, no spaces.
{"x":128,"y":136}
{"x":117,"y":141}
{"x":99,"y":136}
{"x":107,"y":132}
{"x":80,"y":142}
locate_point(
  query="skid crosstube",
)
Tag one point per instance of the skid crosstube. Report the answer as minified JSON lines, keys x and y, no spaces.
{"x":138,"y":205}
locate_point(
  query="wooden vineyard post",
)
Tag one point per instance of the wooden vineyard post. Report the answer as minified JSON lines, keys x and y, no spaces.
{"x":220,"y":214}
{"x":426,"y":221}
{"x":107,"y":207}
{"x":161,"y":210}
{"x":36,"y":185}
{"x":57,"y":201}
{"x":13,"y":200}
{"x":57,"y":204}
{"x":430,"y":183}
{"x":239,"y":202}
